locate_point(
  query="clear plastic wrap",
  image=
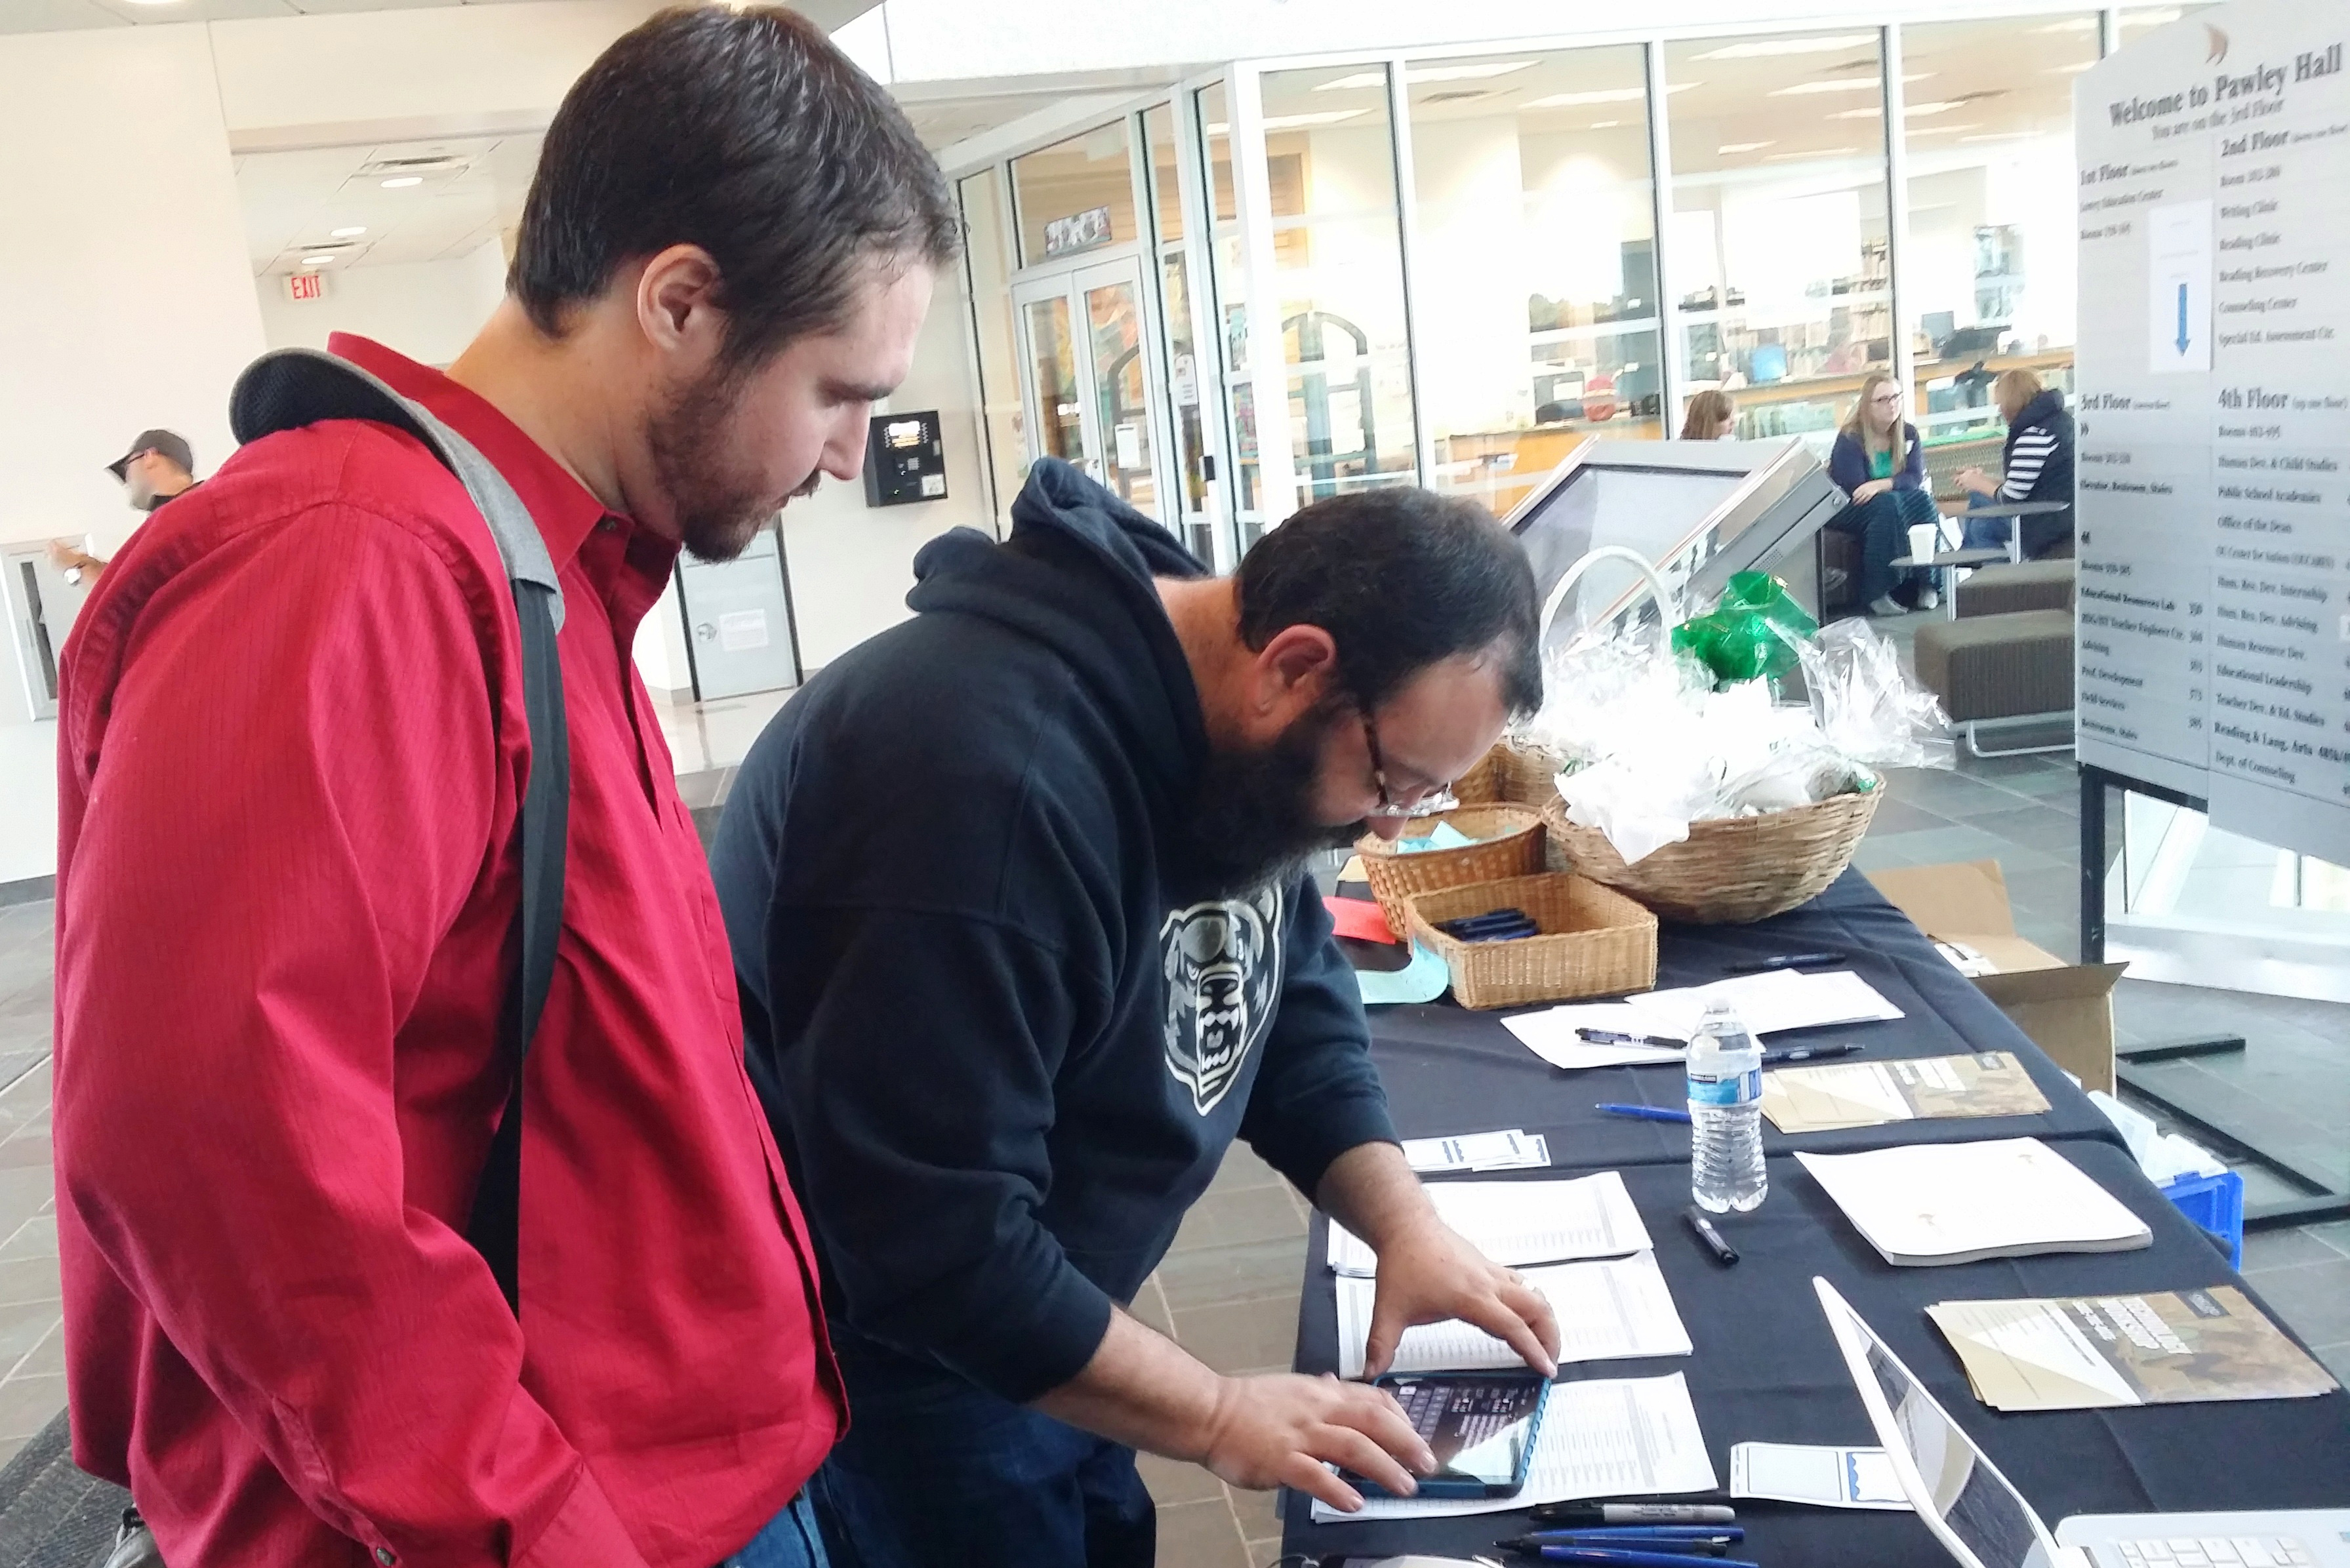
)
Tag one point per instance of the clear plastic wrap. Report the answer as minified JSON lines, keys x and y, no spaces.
{"x":1649,"y":744}
{"x":1865,"y":707}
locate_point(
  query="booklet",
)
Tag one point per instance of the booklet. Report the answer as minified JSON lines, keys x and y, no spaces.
{"x":1519,"y":1222}
{"x":1612,"y":1311}
{"x":2089,"y":1353}
{"x":1870,"y":1094}
{"x":1927,"y":1203}
{"x":1514,"y":1149}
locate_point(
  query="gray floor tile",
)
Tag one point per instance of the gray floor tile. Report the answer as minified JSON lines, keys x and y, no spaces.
{"x":2285,"y":1248}
{"x":35,"y":1238}
{"x":1172,"y":1481}
{"x":28,"y":1280}
{"x":1246,"y":1336}
{"x":1256,"y":1511}
{"x":2036,"y":827}
{"x":29,"y":1404}
{"x":1201,"y":1535}
{"x":2313,"y":1298}
{"x":2336,"y":1359}
{"x":46,"y":1357}
{"x":1253,"y":1271}
{"x":1948,"y":794}
{"x":1150,"y":1306}
{"x":1963,"y":841}
{"x":1223,"y":1219}
{"x":2335,"y":1235}
{"x":1242,"y":1170}
{"x":2047,"y":889}
{"x":1895,"y":814}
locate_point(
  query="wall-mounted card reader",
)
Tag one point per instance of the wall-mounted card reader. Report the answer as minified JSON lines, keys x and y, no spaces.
{"x":905,"y":460}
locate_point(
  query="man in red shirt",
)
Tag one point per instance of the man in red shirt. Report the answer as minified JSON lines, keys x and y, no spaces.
{"x":292,"y":744}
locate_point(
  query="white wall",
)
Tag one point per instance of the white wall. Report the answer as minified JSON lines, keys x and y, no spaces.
{"x":130,"y":300}
{"x":851,"y":565}
{"x":427,"y":310}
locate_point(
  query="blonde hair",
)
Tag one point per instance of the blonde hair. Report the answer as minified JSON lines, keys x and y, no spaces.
{"x":2019,"y":384}
{"x":1707,"y":411}
{"x":1856,"y":426}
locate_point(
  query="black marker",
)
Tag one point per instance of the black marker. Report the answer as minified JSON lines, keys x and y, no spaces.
{"x":1808,"y":1052}
{"x":1723,"y":1253}
{"x":1615,"y":1037}
{"x":1634,"y":1513}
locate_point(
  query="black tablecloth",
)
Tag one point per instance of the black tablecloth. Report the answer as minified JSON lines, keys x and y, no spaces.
{"x":1448,"y":1070}
{"x":1765,"y":1369}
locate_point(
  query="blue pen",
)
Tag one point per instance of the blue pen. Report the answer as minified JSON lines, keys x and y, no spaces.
{"x":1623,"y":1558}
{"x":1687,"y":1546}
{"x":1645,"y":1113}
{"x":1636,"y":1533}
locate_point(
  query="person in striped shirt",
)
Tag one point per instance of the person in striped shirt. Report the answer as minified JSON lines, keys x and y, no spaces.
{"x":2037,"y":465}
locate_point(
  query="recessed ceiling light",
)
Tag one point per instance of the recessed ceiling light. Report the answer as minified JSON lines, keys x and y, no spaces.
{"x":1772,"y":48}
{"x":2071,"y":70}
{"x":1945,"y":131}
{"x":1326,"y":117}
{"x":2070,"y":24}
{"x":1605,"y":124}
{"x":1730,"y":146}
{"x":352,"y":233}
{"x":1874,"y":111}
{"x":1481,"y":71}
{"x":315,"y":261}
{"x":403,"y":181}
{"x":1599,"y":94}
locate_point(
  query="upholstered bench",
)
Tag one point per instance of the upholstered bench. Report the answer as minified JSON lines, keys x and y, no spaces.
{"x":1997,"y":668}
{"x":2030,"y":586}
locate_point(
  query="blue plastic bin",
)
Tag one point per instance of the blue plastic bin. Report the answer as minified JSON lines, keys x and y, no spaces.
{"x":2216,"y":1203}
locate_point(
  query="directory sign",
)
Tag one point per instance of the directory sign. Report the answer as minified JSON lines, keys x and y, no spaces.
{"x":2213,"y":644}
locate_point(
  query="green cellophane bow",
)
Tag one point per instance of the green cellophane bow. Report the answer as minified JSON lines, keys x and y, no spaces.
{"x":1752,"y":632}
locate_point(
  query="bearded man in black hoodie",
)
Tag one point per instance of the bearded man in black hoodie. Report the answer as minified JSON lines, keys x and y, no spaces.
{"x":1017,"y":897}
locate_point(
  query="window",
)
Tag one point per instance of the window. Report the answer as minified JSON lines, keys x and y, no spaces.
{"x":1330,"y":161}
{"x":1231,"y":297}
{"x":988,"y":253}
{"x":1778,"y":246}
{"x":1182,"y":346}
{"x":1988,"y":278}
{"x":1075,"y":195}
{"x":1536,"y":262}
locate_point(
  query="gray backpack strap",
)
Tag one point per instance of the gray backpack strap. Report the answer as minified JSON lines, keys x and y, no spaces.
{"x":292,"y":387}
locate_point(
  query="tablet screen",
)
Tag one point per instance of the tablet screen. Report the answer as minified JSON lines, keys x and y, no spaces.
{"x":1480,"y":1427}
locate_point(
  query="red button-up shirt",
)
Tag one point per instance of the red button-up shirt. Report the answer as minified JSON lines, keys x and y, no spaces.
{"x":291,"y":746}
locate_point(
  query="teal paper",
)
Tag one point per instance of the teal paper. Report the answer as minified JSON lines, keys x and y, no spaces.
{"x":1422,"y":980}
{"x":1446,"y":836}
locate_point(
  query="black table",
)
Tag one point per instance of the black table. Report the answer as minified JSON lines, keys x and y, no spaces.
{"x":1448,"y":1070}
{"x":1765,"y":1369}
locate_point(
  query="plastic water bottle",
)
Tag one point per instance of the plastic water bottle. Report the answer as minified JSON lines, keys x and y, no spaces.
{"x":1725,"y":1103}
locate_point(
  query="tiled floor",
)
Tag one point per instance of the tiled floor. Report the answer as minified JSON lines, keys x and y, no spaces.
{"x":32,"y":1354}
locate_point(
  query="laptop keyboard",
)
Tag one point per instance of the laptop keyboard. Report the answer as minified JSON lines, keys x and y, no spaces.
{"x":2210,"y":1551}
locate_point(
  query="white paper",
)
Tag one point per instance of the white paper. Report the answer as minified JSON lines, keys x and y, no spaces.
{"x":1824,"y":1477}
{"x":2005,"y":1197}
{"x":1609,"y":1311}
{"x":1516,"y":1223}
{"x":1515,"y":1149}
{"x":1630,"y":1437}
{"x":1551,"y":1035}
{"x":741,"y":629}
{"x":1770,"y":1003}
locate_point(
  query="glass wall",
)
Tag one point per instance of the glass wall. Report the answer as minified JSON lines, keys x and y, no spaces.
{"x":1075,"y":195}
{"x":987,"y":241}
{"x":1175,"y":295}
{"x":1778,"y":246}
{"x":1988,"y":267}
{"x":2137,"y":21}
{"x":1536,"y":262}
{"x":1231,"y":298}
{"x":1330,"y":160}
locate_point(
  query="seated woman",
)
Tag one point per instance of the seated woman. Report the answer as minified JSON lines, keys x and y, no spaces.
{"x":1879,"y":462}
{"x":1711,"y":417}
{"x":2037,"y":465}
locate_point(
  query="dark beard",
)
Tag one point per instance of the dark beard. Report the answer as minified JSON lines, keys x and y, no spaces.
{"x":1250,"y":820}
{"x":718,"y":513}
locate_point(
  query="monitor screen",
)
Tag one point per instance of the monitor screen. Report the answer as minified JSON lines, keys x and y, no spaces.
{"x":1651,"y":510}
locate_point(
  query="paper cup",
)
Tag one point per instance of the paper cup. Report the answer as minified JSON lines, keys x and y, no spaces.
{"x":1925,"y":540}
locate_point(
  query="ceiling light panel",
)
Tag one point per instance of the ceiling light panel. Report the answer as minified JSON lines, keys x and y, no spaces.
{"x":1778,"y":48}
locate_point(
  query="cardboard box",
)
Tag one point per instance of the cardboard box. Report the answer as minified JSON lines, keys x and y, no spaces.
{"x":2067,"y":1009}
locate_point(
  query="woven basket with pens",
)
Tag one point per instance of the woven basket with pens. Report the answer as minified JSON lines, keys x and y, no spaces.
{"x":1595,"y":942}
{"x":1509,"y":844}
{"x":1730,"y":870}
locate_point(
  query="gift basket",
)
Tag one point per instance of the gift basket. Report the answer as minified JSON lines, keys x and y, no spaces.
{"x":1472,"y":844}
{"x":1691,"y":784}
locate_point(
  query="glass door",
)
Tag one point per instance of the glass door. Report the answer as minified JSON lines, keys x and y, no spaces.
{"x":1087,"y":379}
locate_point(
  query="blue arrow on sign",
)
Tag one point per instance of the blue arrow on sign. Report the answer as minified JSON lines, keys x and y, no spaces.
{"x":2182,"y":318}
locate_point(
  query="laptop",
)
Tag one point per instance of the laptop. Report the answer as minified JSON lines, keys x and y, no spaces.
{"x":1984,"y":1521}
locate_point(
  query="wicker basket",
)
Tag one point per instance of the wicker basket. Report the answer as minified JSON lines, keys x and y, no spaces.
{"x":1481,"y":784}
{"x":1511,"y":843}
{"x":1595,"y":942}
{"x":1524,"y":776}
{"x":1730,"y":870}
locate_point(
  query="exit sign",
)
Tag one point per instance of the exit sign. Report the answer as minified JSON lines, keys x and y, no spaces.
{"x":300,"y":285}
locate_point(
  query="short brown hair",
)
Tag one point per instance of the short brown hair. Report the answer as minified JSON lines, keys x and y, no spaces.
{"x":2021,"y":384}
{"x":746,"y":133}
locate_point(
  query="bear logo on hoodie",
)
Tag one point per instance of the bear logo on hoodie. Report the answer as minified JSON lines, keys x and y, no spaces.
{"x":1224,"y":984}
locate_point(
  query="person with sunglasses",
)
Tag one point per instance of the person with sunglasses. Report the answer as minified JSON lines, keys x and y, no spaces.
{"x":1024,"y":936}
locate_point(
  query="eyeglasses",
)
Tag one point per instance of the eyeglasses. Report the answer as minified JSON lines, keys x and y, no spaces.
{"x":1432,"y":799}
{"x":1885,"y":397}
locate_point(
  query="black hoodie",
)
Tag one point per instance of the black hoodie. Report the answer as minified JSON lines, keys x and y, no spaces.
{"x":1000,"y":1061}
